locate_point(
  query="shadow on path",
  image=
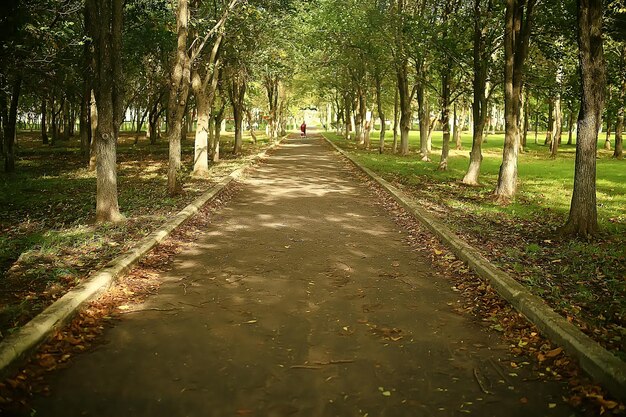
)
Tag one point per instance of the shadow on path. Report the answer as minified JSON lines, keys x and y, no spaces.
{"x":301,"y":299}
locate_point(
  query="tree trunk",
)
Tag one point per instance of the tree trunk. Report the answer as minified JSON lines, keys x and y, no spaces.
{"x":607,"y":140}
{"x":381,"y":114}
{"x":250,"y":127}
{"x":583,"y":215}
{"x":405,"y":108}
{"x":456,"y":133}
{"x":479,"y":104}
{"x":105,"y":29}
{"x":445,"y":116}
{"x":618,"y":151}
{"x":557,"y":126}
{"x":570,"y":126}
{"x":396,"y":105}
{"x":526,"y":121}
{"x":201,"y":146}
{"x":85,"y":129}
{"x":10,"y":125}
{"x":518,"y":21}
{"x":347,"y":113}
{"x":179,"y":90}
{"x":424,"y":120}
{"x":237,"y":92}
{"x":44,"y":128}
{"x":217,"y":117}
{"x":550,"y":127}
{"x":93,"y":120}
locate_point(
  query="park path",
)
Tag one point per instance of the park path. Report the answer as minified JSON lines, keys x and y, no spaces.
{"x":301,"y":299}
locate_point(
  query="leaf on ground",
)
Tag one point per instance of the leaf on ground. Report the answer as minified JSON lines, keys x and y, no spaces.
{"x":554,"y":353}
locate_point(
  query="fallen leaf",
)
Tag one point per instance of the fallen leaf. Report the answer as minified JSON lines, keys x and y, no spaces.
{"x":554,"y":352}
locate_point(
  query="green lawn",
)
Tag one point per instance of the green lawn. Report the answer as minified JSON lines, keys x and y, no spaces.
{"x":543,"y":182}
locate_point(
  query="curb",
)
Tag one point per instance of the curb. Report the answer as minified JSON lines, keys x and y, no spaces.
{"x":17,"y":345}
{"x":598,"y":362}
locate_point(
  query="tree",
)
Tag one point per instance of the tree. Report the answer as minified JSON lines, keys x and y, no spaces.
{"x":481,"y":64}
{"x":104,"y":26}
{"x":518,"y":21}
{"x":583,"y":215}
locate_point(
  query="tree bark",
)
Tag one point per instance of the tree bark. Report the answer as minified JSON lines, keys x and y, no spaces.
{"x":44,"y":128}
{"x":105,"y":30}
{"x":405,"y":107}
{"x":381,"y":114}
{"x":583,"y":215}
{"x":557,"y":120}
{"x":618,"y":151}
{"x":179,"y":91}
{"x":456,"y":133}
{"x":218,"y":116}
{"x":10,"y":126}
{"x":607,"y":140}
{"x":445,"y":116}
{"x":237,"y":92}
{"x":479,"y":104}
{"x":518,"y":20}
{"x":85,"y":128}
{"x":394,"y":146}
{"x":424,"y":121}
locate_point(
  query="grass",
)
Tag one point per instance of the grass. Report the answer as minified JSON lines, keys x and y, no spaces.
{"x":48,"y":239}
{"x":583,"y":280}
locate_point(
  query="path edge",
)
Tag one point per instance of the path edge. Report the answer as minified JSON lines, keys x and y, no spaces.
{"x":16,"y":347}
{"x":596,"y":361}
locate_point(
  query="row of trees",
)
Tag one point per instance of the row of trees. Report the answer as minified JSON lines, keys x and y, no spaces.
{"x":438,"y":57}
{"x":183,"y":61}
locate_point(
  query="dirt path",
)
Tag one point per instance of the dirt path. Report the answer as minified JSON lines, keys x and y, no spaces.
{"x":301,"y":299}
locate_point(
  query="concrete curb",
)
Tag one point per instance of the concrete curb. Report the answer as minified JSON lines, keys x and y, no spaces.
{"x":17,"y":345}
{"x":598,"y":362}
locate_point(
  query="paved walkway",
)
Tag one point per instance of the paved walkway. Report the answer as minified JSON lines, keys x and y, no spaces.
{"x":301,"y":299}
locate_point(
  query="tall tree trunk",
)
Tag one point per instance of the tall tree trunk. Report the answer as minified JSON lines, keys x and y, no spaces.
{"x":250,"y":127}
{"x":85,"y":129}
{"x":550,"y":127}
{"x":583,"y":215}
{"x":405,"y":107}
{"x":201,"y":146}
{"x":105,"y":29}
{"x":607,"y":140}
{"x":456,"y":133}
{"x":618,"y":151}
{"x":479,"y":104}
{"x":347,"y":113}
{"x":396,"y":117}
{"x":44,"y":128}
{"x":518,"y":21}
{"x":445,"y":116}
{"x":381,"y":114}
{"x":93,"y":121}
{"x":179,"y":90}
{"x":237,"y":92}
{"x":424,"y":120}
{"x":557,"y":126}
{"x":526,"y":121}
{"x":570,"y":126}
{"x":218,"y":116}
{"x":10,"y":126}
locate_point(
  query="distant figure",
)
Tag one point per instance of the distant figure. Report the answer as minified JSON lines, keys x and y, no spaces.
{"x":303,"y":130}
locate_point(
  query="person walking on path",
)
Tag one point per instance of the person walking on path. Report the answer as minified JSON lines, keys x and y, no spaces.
{"x":303,"y":129}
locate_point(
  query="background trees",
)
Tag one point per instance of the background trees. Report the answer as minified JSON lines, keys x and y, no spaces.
{"x":390,"y":65}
